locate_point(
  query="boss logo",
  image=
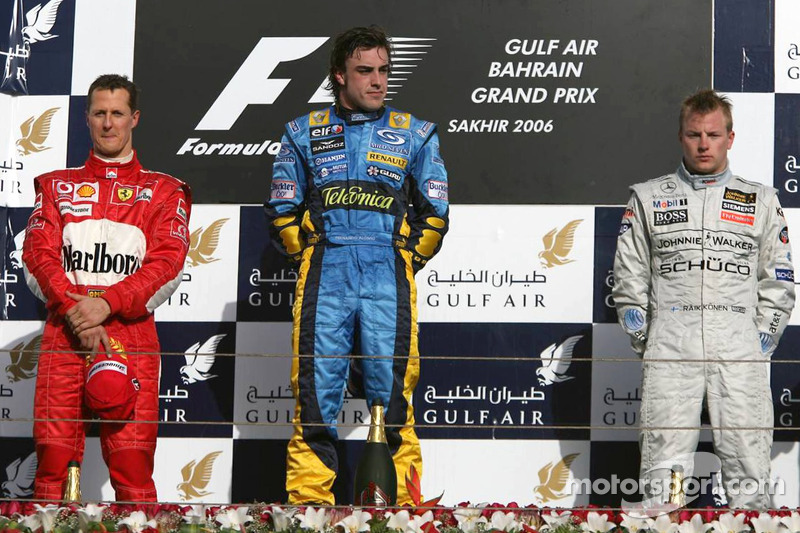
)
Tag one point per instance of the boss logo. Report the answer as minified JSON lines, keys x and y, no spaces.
{"x":664,"y":218}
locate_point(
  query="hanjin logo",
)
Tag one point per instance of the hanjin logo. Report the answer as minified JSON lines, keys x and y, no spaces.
{"x":35,"y":132}
{"x":252,"y":83}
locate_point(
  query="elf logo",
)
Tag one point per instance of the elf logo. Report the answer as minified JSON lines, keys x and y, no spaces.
{"x":252,"y":83}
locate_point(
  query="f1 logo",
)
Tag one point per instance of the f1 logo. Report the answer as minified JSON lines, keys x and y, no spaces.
{"x":252,"y":85}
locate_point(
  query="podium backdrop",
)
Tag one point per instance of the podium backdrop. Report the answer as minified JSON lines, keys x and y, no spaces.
{"x":547,"y":111}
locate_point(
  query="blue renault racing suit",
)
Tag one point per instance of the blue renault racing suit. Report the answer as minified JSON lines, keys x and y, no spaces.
{"x":339,"y":203}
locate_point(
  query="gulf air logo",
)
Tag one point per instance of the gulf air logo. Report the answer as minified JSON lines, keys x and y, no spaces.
{"x":35,"y":131}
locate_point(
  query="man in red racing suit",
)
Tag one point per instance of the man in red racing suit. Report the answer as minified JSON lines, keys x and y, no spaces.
{"x":105,"y":245}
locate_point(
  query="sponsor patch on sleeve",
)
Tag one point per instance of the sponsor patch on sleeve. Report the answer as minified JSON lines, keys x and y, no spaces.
{"x":35,"y":223}
{"x":179,"y":230}
{"x":624,"y":227}
{"x":37,"y":204}
{"x":784,"y":274}
{"x":282,"y":190}
{"x":181,"y":210}
{"x":437,"y":190}
{"x":784,"y":235}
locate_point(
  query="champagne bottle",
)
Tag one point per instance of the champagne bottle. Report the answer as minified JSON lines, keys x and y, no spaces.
{"x":677,"y":495}
{"x":72,"y":487}
{"x":376,"y":480}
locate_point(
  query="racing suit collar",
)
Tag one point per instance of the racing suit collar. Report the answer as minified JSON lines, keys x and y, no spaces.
{"x":357,"y":117}
{"x":702,"y":181}
{"x":107,"y":169}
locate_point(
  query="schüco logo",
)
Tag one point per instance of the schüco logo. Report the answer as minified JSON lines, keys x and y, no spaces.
{"x":252,"y":85}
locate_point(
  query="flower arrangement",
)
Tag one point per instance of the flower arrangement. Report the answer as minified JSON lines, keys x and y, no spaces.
{"x":16,"y":517}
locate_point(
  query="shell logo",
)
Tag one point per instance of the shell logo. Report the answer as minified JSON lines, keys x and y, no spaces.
{"x":86,"y":191}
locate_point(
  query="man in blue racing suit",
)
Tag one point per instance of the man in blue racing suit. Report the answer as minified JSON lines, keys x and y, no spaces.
{"x":341,"y":187}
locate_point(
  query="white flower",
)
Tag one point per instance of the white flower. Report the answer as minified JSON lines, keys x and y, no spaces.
{"x":695,"y":525}
{"x":232,"y":518}
{"x":764,"y":523}
{"x":47,"y":515}
{"x":398,"y":520}
{"x":555,"y":519}
{"x":504,"y":521}
{"x":90,"y":513}
{"x":663,"y":524}
{"x":634,"y":524}
{"x":31,"y":521}
{"x":196,"y":515}
{"x":792,"y":522}
{"x":282,"y":519}
{"x":728,"y":523}
{"x":406,"y":523}
{"x":597,"y":523}
{"x":356,"y":522}
{"x":313,"y":519}
{"x":137,"y":522}
{"x":468,"y":518}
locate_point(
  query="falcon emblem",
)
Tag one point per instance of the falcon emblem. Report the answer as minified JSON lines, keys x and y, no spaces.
{"x":19,"y":477}
{"x":196,"y":477}
{"x":556,"y":361}
{"x":24,"y":358}
{"x":199,"y":360}
{"x":40,"y":21}
{"x":558,"y":245}
{"x":203,"y":243}
{"x":553,"y":479}
{"x":35,"y":132}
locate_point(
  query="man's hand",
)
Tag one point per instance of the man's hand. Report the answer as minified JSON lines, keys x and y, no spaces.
{"x":87,"y":313}
{"x":94,"y":340}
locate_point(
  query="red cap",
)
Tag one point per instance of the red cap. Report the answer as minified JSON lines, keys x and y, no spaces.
{"x":111,"y":387}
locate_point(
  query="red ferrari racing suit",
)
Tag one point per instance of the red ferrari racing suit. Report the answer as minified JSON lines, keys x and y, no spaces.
{"x":117,"y":232}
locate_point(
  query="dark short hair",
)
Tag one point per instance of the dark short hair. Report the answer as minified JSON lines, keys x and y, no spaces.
{"x":346,"y":44}
{"x":706,"y":101}
{"x":111,"y":82}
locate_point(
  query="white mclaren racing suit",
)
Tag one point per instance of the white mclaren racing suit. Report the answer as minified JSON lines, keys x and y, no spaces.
{"x":703,"y":272}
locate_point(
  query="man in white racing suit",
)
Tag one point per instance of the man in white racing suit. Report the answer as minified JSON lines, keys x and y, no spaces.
{"x":704,"y":285}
